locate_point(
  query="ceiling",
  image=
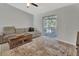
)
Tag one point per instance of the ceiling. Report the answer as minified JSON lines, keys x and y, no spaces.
{"x":43,"y":7}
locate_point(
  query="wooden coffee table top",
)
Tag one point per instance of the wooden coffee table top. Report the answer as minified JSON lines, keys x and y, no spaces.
{"x":18,"y":40}
{"x":17,"y":36}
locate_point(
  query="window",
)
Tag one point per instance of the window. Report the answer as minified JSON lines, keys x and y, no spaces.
{"x":49,"y":25}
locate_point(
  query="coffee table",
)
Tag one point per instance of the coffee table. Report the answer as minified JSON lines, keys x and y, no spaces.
{"x":19,"y":40}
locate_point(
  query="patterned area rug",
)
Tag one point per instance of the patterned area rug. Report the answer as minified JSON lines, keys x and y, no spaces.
{"x":43,"y":46}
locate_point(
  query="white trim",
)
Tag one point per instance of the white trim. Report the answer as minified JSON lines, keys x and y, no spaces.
{"x":57,"y":38}
{"x":68,"y":42}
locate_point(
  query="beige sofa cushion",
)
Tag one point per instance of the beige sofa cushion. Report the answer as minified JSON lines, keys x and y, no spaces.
{"x":6,"y":37}
{"x":20,"y":30}
{"x":9,"y":35}
{"x":35,"y":34}
{"x":26,"y":29}
{"x":9,"y":30}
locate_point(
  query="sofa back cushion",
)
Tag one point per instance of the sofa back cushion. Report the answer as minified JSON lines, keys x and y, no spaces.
{"x":9,"y":30}
{"x":26,"y":30}
{"x":20,"y":30}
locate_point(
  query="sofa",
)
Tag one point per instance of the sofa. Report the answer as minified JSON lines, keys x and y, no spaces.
{"x":9,"y":31}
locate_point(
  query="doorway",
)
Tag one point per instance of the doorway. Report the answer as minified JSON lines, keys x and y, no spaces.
{"x":50,"y":25}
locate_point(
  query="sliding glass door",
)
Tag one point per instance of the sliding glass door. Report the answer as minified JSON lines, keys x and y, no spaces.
{"x":49,"y":26}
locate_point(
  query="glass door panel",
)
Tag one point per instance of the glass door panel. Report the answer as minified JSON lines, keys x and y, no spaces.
{"x":49,"y":26}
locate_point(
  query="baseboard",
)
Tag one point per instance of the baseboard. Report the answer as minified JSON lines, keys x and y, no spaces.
{"x":68,"y":42}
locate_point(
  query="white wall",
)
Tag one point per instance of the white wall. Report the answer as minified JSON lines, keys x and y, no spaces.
{"x":10,"y":16}
{"x":67,"y":20}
